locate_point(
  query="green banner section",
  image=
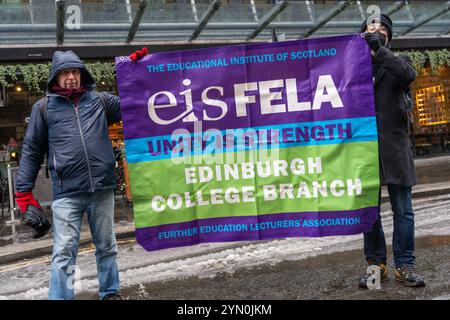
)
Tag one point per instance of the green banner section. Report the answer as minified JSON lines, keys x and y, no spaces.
{"x":302,"y":179}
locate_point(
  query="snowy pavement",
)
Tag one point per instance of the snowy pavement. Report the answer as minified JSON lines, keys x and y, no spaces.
{"x":29,"y":279}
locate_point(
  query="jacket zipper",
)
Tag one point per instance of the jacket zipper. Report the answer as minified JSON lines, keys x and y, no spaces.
{"x":75,"y":107}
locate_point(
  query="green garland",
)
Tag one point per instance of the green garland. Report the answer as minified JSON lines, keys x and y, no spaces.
{"x":35,"y":76}
{"x":418,"y":58}
{"x":436,"y":58}
{"x":5,"y":73}
{"x":102,"y":71}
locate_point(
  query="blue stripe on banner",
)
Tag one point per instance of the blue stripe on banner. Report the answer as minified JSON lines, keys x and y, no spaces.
{"x":252,"y":138}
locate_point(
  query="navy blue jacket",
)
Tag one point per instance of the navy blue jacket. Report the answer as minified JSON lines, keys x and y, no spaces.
{"x":80,"y":154}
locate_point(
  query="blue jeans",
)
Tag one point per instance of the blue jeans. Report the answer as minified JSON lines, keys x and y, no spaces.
{"x":67,"y":217}
{"x":403,"y":238}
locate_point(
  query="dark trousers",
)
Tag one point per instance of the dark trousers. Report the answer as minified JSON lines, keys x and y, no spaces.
{"x":403,"y":238}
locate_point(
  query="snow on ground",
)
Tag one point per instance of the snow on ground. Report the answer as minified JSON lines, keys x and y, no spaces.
{"x":208,"y":260}
{"x":432,"y":161}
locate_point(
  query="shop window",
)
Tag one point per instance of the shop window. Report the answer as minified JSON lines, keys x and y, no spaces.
{"x":431,"y":105}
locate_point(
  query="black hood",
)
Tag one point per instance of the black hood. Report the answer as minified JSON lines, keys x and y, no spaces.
{"x":69,"y":60}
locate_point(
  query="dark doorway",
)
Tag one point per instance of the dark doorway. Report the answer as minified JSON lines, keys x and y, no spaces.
{"x":5,"y":133}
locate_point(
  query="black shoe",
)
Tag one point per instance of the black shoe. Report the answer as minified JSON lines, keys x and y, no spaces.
{"x":406,"y":275}
{"x":383,"y":277}
{"x":113,"y":296}
{"x":36,"y":219}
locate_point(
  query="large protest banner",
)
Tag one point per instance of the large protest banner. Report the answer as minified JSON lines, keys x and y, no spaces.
{"x":251,"y":142}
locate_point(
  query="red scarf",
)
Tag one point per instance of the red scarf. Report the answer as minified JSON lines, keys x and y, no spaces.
{"x":71,"y":94}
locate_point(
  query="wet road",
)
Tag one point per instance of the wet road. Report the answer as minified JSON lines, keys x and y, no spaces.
{"x":433,"y":170}
{"x":333,"y":276}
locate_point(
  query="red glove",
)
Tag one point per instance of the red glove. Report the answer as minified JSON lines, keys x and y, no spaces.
{"x":23,"y":199}
{"x":139,"y":54}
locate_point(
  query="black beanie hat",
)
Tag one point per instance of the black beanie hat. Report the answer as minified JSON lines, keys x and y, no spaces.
{"x":384,"y":20}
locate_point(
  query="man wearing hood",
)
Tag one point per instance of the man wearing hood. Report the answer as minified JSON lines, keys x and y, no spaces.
{"x":71,"y":126}
{"x":392,"y":76}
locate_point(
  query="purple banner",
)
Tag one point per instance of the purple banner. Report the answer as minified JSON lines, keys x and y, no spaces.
{"x":309,"y":102}
{"x":345,"y":58}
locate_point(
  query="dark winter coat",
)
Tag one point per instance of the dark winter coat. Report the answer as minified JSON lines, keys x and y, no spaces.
{"x":80,"y":155}
{"x":392,"y":76}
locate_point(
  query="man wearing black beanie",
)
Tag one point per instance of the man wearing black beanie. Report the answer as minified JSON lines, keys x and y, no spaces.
{"x":392,"y":76}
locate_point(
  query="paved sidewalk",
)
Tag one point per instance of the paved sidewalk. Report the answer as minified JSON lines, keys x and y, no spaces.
{"x":35,"y":248}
